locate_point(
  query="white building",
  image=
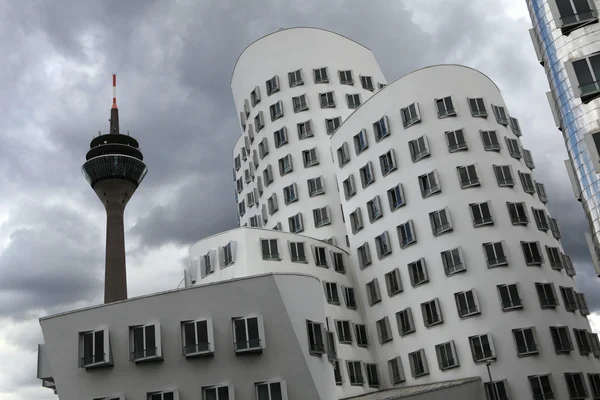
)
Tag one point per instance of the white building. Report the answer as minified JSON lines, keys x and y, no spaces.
{"x":394,"y":242}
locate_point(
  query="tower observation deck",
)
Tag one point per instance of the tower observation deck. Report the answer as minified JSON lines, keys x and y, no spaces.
{"x":114,"y":168}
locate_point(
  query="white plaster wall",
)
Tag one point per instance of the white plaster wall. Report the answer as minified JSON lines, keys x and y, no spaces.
{"x":423,"y":86}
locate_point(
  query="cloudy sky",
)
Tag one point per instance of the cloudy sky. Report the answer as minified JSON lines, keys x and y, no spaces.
{"x":174,"y":60}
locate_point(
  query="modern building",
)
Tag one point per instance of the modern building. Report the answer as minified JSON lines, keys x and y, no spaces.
{"x":564,"y":38}
{"x":393,"y":242}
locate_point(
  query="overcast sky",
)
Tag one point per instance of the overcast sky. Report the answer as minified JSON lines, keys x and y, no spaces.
{"x":174,"y":60}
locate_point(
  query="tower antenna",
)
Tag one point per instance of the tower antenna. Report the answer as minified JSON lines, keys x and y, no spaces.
{"x":114,"y":111}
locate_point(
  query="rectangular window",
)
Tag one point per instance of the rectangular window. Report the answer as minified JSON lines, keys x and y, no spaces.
{"x":300,"y":103}
{"x":432,"y":314}
{"x":582,"y":304}
{"x":561,"y":338}
{"x":490,"y":140}
{"x":310,"y":157}
{"x":353,"y":100}
{"x":515,"y":126}
{"x":574,"y":14}
{"x":327,"y":100}
{"x":285,"y":165}
{"x":207,"y":264}
{"x":404,"y":319}
{"x":496,"y":390}
{"x":331,"y":124}
{"x":429,"y":184}
{"x":481,"y":214}
{"x":509,"y":297}
{"x":330,"y":346}
{"x":242,"y":208}
{"x":456,"y":141}
{"x":355,"y":373}
{"x":349,"y":298}
{"x":446,"y":355}
{"x":343,"y":331}
{"x":495,"y":255}
{"x":280,"y":137}
{"x":406,"y":234}
{"x":360,"y":141}
{"x":383,"y":245}
{"x":541,"y":191}
{"x":255,"y":96}
{"x":541,"y":219}
{"x":504,"y":175}
{"x":321,"y":217}
{"x":337,"y":373}
{"x":273,"y":85}
{"x":501,"y":116}
{"x":453,"y":261}
{"x":297,"y":252}
{"x":541,"y":387}
{"x":594,"y":385}
{"x":239,"y":185}
{"x":364,"y":255}
{"x":163,"y":395}
{"x":295,"y":78}
{"x":418,"y":272}
{"x":362,"y":339}
{"x":263,"y":148}
{"x":518,"y":213}
{"x":272,"y":204}
{"x":346,"y":77}
{"x":227,"y":254}
{"x":568,"y":295}
{"x":527,"y":182}
{"x":468,"y":176}
{"x":576,"y":386}
{"x":393,"y":282}
{"x":373,"y":293}
{"x":569,"y":269}
{"x":445,"y":108}
{"x":338,"y":262}
{"x":546,"y":294}
{"x":396,"y":197}
{"x":145,"y":342}
{"x":217,"y":392}
{"x":321,"y":75}
{"x":381,"y":128}
{"x":384,"y":331}
{"x":467,"y":303}
{"x":440,"y":222}
{"x":418,"y":363}
{"x":197,"y":337}
{"x":528,"y":158}
{"x":477,"y":107}
{"x":419,"y":148}
{"x":367,"y":83}
{"x":410,"y":115}
{"x":349,"y":187}
{"x":356,"y":221}
{"x":276,"y":110}
{"x":271,"y":391}
{"x":305,"y":129}
{"x":366,"y":174}
{"x":290,"y":193}
{"x":482,"y":348}
{"x":316,"y":345}
{"x":270,"y":249}
{"x":94,"y":349}
{"x":295,"y":223}
{"x":374,"y":209}
{"x":268,"y":175}
{"x":315,"y":186}
{"x":532,"y":253}
{"x":582,"y":337}
{"x":387,"y":162}
{"x":343,"y":155}
{"x":331,"y":293}
{"x":525,"y":341}
{"x":396,"y":371}
{"x":513,"y":148}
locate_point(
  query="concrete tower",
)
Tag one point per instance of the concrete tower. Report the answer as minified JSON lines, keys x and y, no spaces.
{"x":114,"y":168}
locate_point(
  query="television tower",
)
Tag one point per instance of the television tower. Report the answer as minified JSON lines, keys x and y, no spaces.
{"x":114,"y":168}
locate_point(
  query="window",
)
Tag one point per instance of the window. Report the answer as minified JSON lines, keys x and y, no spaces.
{"x":513,"y":148}
{"x":509,"y":297}
{"x":362,"y":339}
{"x":477,"y":107}
{"x":525,"y":341}
{"x":570,"y":271}
{"x":541,"y":191}
{"x":396,"y":197}
{"x":481,"y":214}
{"x":145,"y":342}
{"x":346,"y":77}
{"x":393,"y":282}
{"x":501,"y":116}
{"x":360,"y":141}
{"x":495,"y":255}
{"x":316,"y":345}
{"x":367,"y":83}
{"x":321,"y":75}
{"x":381,"y":128}
{"x":268,"y":175}
{"x":388,"y":162}
{"x":243,"y":120}
{"x":468,"y":176}
{"x":490,"y":140}
{"x":594,"y":385}
{"x":337,"y":373}
{"x":239,"y":185}
{"x":272,"y":204}
{"x":568,"y":295}
{"x":404,"y":319}
{"x":440,"y":222}
{"x":280,"y":137}
{"x":271,"y":391}
{"x":94,"y":349}
{"x":327,"y":100}
{"x":546,"y":294}
{"x":583,"y":341}
{"x":561,"y":338}
{"x":338,"y":262}
{"x":576,"y":386}
{"x":315,"y":186}
{"x":272,"y":85}
{"x":366,"y":175}
{"x":353,"y":100}
{"x":248,"y":334}
{"x":418,"y":363}
{"x":305,"y":130}
{"x":356,"y":221}
{"x":496,"y":390}
{"x":295,"y":78}
{"x":276,"y":110}
{"x":207,"y":264}
{"x":259,"y":186}
{"x":349,"y":187}
{"x":237,"y":162}
{"x":310,"y":157}
{"x":574,"y":14}
{"x":269,"y":249}
{"x":446,"y":355}
{"x":295,"y":223}
{"x":429,"y":184}
{"x":419,"y":148}
{"x":453,"y":261}
{"x":217,"y":392}
{"x":320,"y":254}
{"x":527,"y":182}
{"x":541,"y":219}
{"x":504,"y":175}
{"x":331,"y":124}
{"x":456,"y":141}
{"x":290,"y":193}
{"x":197,"y":337}
{"x":364,"y":255}
{"x":163,"y":395}
{"x":396,"y":371}
{"x":418,"y":272}
{"x":587,"y":74}
{"x":285,"y":165}
{"x":406,"y":234}
{"x":343,"y":155}
{"x":300,"y":103}
{"x":349,"y":298}
{"x":528,"y":158}
{"x":355,"y":373}
{"x":383,"y":245}
{"x":343,"y":331}
{"x":384,"y":331}
{"x":331,"y":349}
{"x":518,"y":214}
{"x":373,"y":293}
{"x":227,"y":254}
{"x":242,"y":208}
{"x":432,"y":314}
{"x":555,"y":258}
{"x":255,"y":96}
{"x":532,"y":253}
{"x":445,"y":108}
{"x":263,"y":148}
{"x":482,"y":348}
{"x":582,"y":304}
{"x":541,"y":387}
{"x":247,"y":176}
{"x":467,"y":303}
{"x":374,"y":209}
{"x":410,"y":115}
{"x":515,"y":126}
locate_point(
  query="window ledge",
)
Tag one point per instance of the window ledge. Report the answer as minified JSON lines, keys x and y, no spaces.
{"x":147,"y":359}
{"x":100,"y":364}
{"x":252,"y":350}
{"x":198,"y":354}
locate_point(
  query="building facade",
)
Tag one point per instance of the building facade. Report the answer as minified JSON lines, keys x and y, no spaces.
{"x":564,"y":38}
